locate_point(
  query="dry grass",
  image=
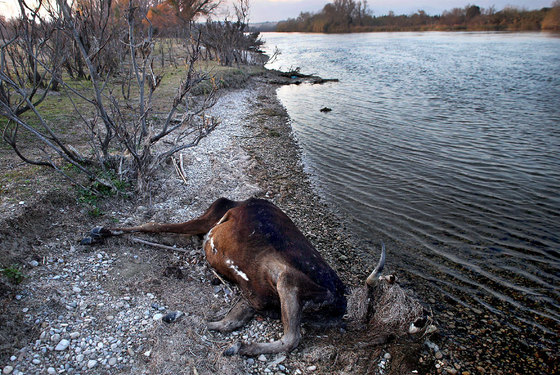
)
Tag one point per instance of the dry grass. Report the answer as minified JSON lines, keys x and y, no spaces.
{"x":388,"y":310}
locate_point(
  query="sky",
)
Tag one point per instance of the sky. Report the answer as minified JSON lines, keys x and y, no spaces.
{"x":277,"y":10}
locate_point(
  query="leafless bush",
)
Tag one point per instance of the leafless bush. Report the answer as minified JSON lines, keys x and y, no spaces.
{"x":229,"y":42}
{"x":124,"y":132}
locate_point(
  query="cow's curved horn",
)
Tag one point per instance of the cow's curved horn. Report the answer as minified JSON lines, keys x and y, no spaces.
{"x":372,"y":278}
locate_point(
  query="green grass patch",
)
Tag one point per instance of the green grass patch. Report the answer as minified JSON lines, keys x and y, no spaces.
{"x":93,"y":197}
{"x":13,"y":274}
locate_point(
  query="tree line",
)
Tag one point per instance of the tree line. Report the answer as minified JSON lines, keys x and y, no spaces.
{"x":343,"y":16}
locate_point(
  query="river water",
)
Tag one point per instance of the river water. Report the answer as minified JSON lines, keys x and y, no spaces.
{"x":446,"y":145}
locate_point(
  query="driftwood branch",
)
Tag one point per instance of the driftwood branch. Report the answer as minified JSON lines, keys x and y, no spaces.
{"x":179,"y":168}
{"x":158,"y":245}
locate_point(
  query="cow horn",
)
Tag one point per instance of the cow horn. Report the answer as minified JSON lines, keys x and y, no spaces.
{"x":377,"y":271}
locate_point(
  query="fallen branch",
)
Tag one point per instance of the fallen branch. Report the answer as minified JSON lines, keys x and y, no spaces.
{"x":180,"y":169}
{"x":223,"y":281}
{"x":158,"y":245}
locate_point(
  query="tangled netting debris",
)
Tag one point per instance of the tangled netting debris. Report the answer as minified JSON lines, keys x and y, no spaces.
{"x":388,"y":309}
{"x":394,"y":308}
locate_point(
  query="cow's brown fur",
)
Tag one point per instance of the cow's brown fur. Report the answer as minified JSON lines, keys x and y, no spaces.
{"x":255,"y":245}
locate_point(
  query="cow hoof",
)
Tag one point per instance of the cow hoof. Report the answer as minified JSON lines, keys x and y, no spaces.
{"x":234,"y":349}
{"x":87,"y":241}
{"x":91,"y":240}
{"x":99,"y":232}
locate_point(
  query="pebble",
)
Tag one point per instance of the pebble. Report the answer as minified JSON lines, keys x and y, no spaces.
{"x":51,"y":371}
{"x":33,"y":263}
{"x":387,"y":356}
{"x":62,"y":345}
{"x":172,"y":316}
{"x":13,"y":358}
{"x":112,"y":361}
{"x":312,"y":368}
{"x":7,"y":370}
{"x":277,"y":361}
{"x":158,"y":316}
{"x":439,"y":355}
{"x":262,"y":358}
{"x":92,"y":363}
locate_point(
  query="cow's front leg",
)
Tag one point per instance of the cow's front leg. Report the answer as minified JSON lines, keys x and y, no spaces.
{"x":236,"y":318}
{"x":287,"y":287}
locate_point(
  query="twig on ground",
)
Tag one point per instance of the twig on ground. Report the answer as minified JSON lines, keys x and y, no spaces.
{"x":223,"y":281}
{"x":180,"y":169}
{"x":158,"y":245}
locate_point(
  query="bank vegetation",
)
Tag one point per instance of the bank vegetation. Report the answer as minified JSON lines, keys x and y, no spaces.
{"x":344,"y":16}
{"x":110,"y":89}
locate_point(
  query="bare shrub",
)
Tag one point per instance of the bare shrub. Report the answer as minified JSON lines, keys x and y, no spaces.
{"x":229,"y":42}
{"x":123,"y":131}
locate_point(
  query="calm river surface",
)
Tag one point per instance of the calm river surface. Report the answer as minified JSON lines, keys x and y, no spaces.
{"x":447,"y":146}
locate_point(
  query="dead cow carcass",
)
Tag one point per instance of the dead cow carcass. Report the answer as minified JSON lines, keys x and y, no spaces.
{"x":255,"y":245}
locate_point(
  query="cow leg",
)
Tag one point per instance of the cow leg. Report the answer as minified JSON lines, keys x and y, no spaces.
{"x":237,"y":317}
{"x":291,"y":319}
{"x":200,"y":225}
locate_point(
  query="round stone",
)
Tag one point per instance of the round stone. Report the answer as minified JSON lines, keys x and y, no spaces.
{"x":62,"y":345}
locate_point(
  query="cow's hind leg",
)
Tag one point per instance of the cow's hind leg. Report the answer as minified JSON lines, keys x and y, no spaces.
{"x":287,"y":287}
{"x":236,"y":318}
{"x":200,"y":225}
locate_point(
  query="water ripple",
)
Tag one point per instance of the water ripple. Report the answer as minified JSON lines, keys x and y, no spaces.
{"x":447,"y":143}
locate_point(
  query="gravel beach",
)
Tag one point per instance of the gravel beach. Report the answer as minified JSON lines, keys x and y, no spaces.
{"x":123,"y":307}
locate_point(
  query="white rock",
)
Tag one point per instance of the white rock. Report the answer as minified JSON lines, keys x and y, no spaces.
{"x":36,"y":361}
{"x":92,"y":363}
{"x":79,"y":358}
{"x":387,"y":356}
{"x":312,"y":368}
{"x":76,"y":289}
{"x":262,"y":358}
{"x":277,"y":361}
{"x":74,"y":335}
{"x":51,"y":371}
{"x":112,"y":361}
{"x":13,"y":358}
{"x":158,"y":316}
{"x":62,"y":345}
{"x":7,"y":370}
{"x":33,"y":263}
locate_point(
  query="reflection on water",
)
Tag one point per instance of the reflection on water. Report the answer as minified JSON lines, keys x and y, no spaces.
{"x":448,"y":143}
